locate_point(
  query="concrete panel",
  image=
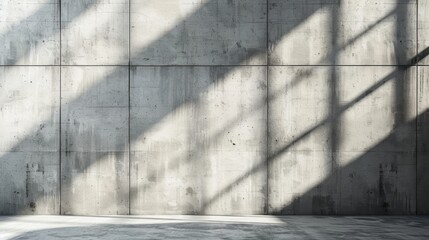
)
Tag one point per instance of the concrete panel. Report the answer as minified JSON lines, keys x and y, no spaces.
{"x":94,"y":140}
{"x":378,"y":183}
{"x":386,"y":106}
{"x":299,"y":142}
{"x":341,"y":140}
{"x":198,"y":140}
{"x":29,"y":32}
{"x":378,"y":32}
{"x":423,"y":141}
{"x":300,"y":32}
{"x":347,"y":32}
{"x":423,"y":30}
{"x":29,"y":142}
{"x":206,"y":32}
{"x":94,"y":32}
{"x":209,"y":139}
{"x":377,"y":140}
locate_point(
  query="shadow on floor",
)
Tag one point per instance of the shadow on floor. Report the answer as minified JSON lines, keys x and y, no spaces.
{"x":303,"y":227}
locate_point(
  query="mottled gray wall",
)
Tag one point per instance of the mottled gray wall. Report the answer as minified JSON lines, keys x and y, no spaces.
{"x":214,"y":107}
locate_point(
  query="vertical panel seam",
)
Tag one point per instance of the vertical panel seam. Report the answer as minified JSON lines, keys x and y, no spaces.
{"x":267,"y":157}
{"x":129,"y":107}
{"x":417,"y":103}
{"x":60,"y":125}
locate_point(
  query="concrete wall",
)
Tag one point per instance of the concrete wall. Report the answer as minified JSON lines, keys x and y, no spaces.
{"x":214,"y":107}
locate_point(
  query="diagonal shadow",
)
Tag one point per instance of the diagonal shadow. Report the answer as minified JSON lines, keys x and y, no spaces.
{"x":378,"y":192}
{"x":325,"y":122}
{"x":332,"y":121}
{"x":192,"y":96}
{"x":38,"y":30}
{"x":165,"y":39}
{"x":333,"y":118}
{"x":180,"y":101}
{"x":175,"y":164}
{"x":292,"y":227}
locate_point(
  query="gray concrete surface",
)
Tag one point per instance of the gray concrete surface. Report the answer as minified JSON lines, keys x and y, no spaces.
{"x":352,"y":32}
{"x":29,"y":32}
{"x":94,"y":32}
{"x":195,"y":130}
{"x":215,"y":227}
{"x":423,"y":117}
{"x":422,"y":140}
{"x":205,"y":32}
{"x":29,"y":120}
{"x":94,"y":140}
{"x":295,"y":107}
{"x":423,"y":29}
{"x":373,"y":136}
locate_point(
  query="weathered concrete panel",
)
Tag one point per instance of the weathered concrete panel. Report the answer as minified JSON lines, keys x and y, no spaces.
{"x":29,"y":142}
{"x":299,"y":141}
{"x":203,"y":32}
{"x":377,"y":140}
{"x":423,"y":141}
{"x":299,"y":32}
{"x":94,"y":32}
{"x":355,"y":32}
{"x":380,"y":32}
{"x":29,"y":32}
{"x":423,"y":30}
{"x":380,"y":105}
{"x":378,"y":182}
{"x":198,"y":140}
{"x":341,"y":140}
{"x":94,"y":140}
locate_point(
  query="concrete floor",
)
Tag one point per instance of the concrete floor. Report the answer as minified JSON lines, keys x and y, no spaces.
{"x":213,"y":227}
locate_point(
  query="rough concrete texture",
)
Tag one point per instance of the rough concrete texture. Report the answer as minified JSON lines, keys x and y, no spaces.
{"x":423,"y":110}
{"x":297,"y":166}
{"x":94,"y":32}
{"x":94,"y":140}
{"x":214,"y":227}
{"x":29,"y":120}
{"x":345,"y":31}
{"x":204,"y":32}
{"x":295,"y":107}
{"x":423,"y":141}
{"x":423,"y":29}
{"x":351,"y":147}
{"x":194,"y":131}
{"x":29,"y":32}
{"x":376,"y":139}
